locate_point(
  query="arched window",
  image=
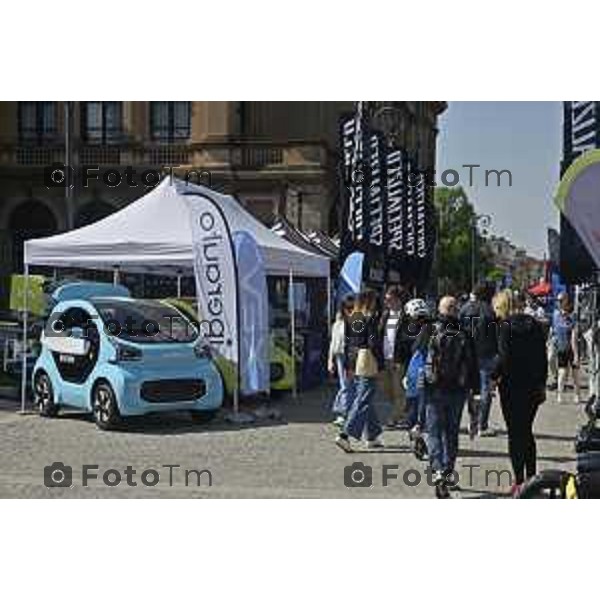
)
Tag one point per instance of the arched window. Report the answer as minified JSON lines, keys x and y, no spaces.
{"x":31,"y":219}
{"x":92,"y":212}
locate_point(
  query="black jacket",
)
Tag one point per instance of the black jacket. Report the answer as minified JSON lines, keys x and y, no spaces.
{"x":361,"y":333}
{"x":479,"y":320}
{"x":404,"y":341}
{"x":452,"y":352}
{"x":522,"y":361}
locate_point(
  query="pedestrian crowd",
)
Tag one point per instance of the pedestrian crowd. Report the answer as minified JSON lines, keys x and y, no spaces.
{"x":429,"y":362}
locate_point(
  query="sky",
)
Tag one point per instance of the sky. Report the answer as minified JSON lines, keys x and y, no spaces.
{"x":523,"y":137}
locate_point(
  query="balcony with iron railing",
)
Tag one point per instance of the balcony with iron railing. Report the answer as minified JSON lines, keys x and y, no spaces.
{"x":241,"y":156}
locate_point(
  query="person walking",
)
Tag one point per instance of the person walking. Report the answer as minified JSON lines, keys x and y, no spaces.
{"x":395,"y":353}
{"x":450,"y":374}
{"x":478,"y":318}
{"x":337,"y":363}
{"x":361,"y":349}
{"x":551,"y":345}
{"x":564,"y":336}
{"x":419,"y":316}
{"x":416,"y":394}
{"x":521,"y":373}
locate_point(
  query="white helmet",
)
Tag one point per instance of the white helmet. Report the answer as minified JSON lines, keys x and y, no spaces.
{"x":416,"y":308}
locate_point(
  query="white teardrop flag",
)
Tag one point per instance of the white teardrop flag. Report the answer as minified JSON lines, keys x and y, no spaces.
{"x":578,"y":198}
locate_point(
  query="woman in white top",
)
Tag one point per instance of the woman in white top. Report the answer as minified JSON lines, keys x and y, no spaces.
{"x":337,"y":363}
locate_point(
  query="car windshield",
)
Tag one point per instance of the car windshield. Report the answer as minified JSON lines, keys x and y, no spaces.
{"x":145,"y":321}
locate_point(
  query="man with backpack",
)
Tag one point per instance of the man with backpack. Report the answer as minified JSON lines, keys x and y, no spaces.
{"x":478,"y":319}
{"x":450,"y":374}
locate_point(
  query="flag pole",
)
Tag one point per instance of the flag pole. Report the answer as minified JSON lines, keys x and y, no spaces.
{"x":24,"y":350}
{"x":293,"y":333}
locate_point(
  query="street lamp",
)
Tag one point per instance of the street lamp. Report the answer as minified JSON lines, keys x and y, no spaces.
{"x":476,"y":220}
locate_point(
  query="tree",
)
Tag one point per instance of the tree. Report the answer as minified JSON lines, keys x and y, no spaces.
{"x":456,"y":218}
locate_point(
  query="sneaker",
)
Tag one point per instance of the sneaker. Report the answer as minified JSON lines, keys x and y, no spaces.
{"x":339,"y":421}
{"x":487,"y":432}
{"x":441,"y":486}
{"x":374,"y":444}
{"x":414,"y":433}
{"x":450,"y":483}
{"x":344,"y":443}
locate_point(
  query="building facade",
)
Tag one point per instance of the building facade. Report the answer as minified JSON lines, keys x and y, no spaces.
{"x":278,"y":158}
{"x":514,"y":263}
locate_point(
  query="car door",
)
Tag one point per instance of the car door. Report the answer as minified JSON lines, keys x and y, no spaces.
{"x":75,"y":355}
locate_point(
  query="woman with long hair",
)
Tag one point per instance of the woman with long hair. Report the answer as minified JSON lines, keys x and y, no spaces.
{"x":521,"y":372}
{"x":337,"y":362}
{"x":361,"y":352}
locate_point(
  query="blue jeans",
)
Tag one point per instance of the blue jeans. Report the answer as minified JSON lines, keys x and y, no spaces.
{"x":343,"y":398}
{"x":486,"y":366}
{"x":362,"y":417}
{"x":444,"y":412}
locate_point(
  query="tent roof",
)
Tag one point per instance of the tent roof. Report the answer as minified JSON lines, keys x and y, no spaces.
{"x":324,"y":243}
{"x":284,"y":229}
{"x":153,"y":234}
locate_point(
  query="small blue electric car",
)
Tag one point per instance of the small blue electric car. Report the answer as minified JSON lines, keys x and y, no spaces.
{"x":115,"y":356}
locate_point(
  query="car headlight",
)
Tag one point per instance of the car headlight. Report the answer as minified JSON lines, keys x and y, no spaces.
{"x":126,"y":353}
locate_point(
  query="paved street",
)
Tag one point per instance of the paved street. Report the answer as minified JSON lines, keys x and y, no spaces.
{"x":292,"y":457}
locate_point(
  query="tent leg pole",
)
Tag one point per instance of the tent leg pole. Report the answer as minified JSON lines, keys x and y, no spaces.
{"x":293,"y":335}
{"x":179,"y":286}
{"x":24,"y":350}
{"x":116,"y":276}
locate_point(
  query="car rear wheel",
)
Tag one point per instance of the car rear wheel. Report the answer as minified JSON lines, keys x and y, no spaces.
{"x":44,"y":396}
{"x":203,"y":416}
{"x":104,"y":406}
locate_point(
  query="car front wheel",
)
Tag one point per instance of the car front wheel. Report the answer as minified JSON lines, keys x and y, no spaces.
{"x":44,"y":396}
{"x":104,"y":406}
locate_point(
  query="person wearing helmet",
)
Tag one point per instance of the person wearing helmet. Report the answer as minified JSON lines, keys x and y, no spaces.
{"x":395,"y":350}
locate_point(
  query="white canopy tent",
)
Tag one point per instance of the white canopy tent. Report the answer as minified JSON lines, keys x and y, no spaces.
{"x":154,"y":235}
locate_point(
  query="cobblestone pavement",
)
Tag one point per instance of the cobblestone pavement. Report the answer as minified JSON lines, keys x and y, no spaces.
{"x":291,"y":457}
